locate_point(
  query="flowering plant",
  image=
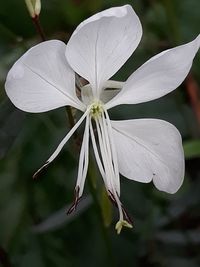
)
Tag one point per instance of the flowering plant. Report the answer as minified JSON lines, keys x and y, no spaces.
{"x":143,"y":150}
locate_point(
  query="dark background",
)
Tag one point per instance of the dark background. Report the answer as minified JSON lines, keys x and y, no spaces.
{"x":34,"y":229}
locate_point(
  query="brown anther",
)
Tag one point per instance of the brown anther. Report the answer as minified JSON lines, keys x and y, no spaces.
{"x":112,"y":198}
{"x":125,"y":213}
{"x":77,"y":199}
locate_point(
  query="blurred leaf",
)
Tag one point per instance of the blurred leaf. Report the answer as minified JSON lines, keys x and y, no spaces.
{"x":11,"y":121}
{"x":10,"y":217}
{"x":179,"y":237}
{"x":31,"y":258}
{"x":60,"y":218}
{"x":13,"y":14}
{"x":189,"y":17}
{"x":191,"y":149}
{"x":183,"y":262}
{"x":180,"y":205}
{"x":157,"y":20}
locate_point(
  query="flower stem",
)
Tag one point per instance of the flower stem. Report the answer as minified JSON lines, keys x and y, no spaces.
{"x":192,"y":89}
{"x":39,"y":29}
{"x":104,"y":231}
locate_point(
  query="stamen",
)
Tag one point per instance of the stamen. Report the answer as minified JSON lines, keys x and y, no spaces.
{"x":112,"y":199}
{"x":118,"y":204}
{"x":108,"y":162}
{"x":76,"y":201}
{"x":126,"y":215}
{"x":114,"y":176}
{"x":83,"y":159}
{"x":104,"y":155}
{"x":105,"y":137}
{"x":62,"y":143}
{"x":38,"y":172}
{"x":96,"y":153}
{"x":128,"y":222}
{"x":113,"y":150}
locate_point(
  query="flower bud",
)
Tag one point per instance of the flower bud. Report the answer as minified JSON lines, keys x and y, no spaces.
{"x":34,"y":7}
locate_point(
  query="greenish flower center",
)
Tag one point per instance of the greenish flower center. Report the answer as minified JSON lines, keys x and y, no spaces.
{"x":96,"y":109}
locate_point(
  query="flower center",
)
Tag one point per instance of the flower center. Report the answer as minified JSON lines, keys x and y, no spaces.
{"x":96,"y":109}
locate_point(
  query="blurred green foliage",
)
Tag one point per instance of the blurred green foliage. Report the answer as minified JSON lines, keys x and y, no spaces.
{"x":34,"y":230}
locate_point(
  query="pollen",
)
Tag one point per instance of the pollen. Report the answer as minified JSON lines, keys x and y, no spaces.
{"x":96,"y":109}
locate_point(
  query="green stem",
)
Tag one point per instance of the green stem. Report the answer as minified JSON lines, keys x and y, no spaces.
{"x":99,"y":213}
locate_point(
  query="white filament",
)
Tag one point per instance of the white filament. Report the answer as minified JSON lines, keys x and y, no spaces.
{"x":107,"y":162}
{"x":83,"y":159}
{"x":64,"y":141}
{"x":96,"y":153}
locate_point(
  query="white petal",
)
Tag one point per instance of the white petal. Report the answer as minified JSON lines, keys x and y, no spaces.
{"x":150,"y":149}
{"x":158,"y":76}
{"x":101,"y":44}
{"x":107,"y":95}
{"x":42,"y":80}
{"x":111,"y":89}
{"x":114,"y":84}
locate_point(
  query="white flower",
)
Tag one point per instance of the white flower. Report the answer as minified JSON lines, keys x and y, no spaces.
{"x":143,"y":150}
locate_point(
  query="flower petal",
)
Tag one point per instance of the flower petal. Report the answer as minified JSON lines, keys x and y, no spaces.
{"x":158,"y":76}
{"x":111,"y":89}
{"x":148,"y":150}
{"x":101,"y":44}
{"x":42,"y":80}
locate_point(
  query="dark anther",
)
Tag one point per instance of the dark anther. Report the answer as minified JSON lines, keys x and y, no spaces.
{"x":112,"y":198}
{"x":77,"y":199}
{"x":126,"y":215}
